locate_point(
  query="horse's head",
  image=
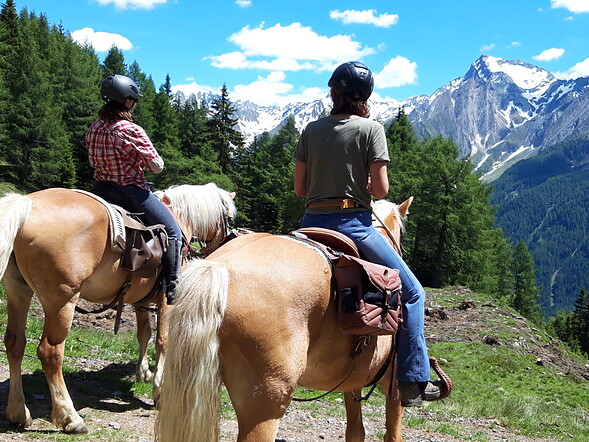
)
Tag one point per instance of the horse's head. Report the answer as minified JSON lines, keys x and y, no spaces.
{"x":388,"y":218}
{"x":204,"y":212}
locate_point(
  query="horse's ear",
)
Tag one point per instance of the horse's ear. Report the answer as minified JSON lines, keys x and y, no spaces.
{"x":231,"y":195}
{"x":404,"y":206}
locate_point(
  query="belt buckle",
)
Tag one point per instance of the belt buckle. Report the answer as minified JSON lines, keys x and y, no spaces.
{"x":348,"y":204}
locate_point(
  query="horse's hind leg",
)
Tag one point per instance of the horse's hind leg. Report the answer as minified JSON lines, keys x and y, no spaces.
{"x":58,"y":321}
{"x":19,"y":297}
{"x":260,"y":394}
{"x":142,"y":372}
{"x":354,"y":425}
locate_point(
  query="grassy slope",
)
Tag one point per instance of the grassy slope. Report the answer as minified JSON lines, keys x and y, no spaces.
{"x":507,"y":374}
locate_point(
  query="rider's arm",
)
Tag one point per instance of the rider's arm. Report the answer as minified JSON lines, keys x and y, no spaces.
{"x":300,"y":178}
{"x":379,"y":180}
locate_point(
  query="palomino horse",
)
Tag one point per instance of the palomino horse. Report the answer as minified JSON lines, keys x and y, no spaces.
{"x":259,"y":315}
{"x":56,"y":244}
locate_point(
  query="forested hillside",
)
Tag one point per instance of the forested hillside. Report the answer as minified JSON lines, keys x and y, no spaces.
{"x":544,"y":201}
{"x":49,"y":94}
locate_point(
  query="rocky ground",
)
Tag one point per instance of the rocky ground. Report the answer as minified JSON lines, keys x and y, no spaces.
{"x":114,"y":419}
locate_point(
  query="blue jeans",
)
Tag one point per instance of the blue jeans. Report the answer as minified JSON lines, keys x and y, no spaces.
{"x":153,"y":211}
{"x":138,"y":200}
{"x":413,"y":360}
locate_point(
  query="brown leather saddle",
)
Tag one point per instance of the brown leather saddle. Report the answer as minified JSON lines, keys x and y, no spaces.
{"x":368,"y":295}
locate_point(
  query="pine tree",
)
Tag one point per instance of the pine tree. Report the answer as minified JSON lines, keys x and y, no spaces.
{"x":580,"y":322}
{"x":36,"y":144}
{"x":114,"y":63}
{"x":265,"y":169}
{"x":166,"y":140}
{"x":224,"y":136}
{"x":77,"y":93}
{"x":526,"y":292}
{"x":144,"y":113}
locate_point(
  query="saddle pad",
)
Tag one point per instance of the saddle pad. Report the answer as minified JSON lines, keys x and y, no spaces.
{"x":116,"y":223}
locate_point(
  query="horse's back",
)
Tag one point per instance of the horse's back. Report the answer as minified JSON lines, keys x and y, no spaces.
{"x":274,"y":273}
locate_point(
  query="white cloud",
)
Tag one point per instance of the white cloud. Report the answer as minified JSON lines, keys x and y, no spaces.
{"x":265,"y":91}
{"x":367,"y":16}
{"x":581,"y":69}
{"x":515,"y":44}
{"x":101,"y":41}
{"x":575,"y":6}
{"x":487,"y":48}
{"x":549,"y":54}
{"x":132,"y":4}
{"x":274,"y":90}
{"x":288,"y":48}
{"x":243,"y":3}
{"x":398,"y":72}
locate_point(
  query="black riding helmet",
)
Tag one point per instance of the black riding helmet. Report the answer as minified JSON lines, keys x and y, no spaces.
{"x":353,"y":79}
{"x":118,"y":88}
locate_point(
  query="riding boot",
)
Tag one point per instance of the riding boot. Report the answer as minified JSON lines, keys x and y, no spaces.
{"x":173,"y":263}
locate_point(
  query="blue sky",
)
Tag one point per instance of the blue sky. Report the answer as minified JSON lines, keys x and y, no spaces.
{"x":281,"y":51}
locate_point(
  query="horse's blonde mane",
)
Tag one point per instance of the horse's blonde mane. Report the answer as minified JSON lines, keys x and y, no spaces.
{"x":384,"y":207}
{"x":199,"y":207}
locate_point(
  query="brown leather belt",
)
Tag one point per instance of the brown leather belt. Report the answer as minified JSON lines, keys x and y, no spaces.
{"x":343,"y":204}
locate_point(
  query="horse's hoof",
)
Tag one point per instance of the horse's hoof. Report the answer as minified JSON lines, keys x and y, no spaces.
{"x":75,"y":428}
{"x":25,"y":421}
{"x":144,"y":376}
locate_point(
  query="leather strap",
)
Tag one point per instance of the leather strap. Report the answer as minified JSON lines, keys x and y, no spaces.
{"x":343,"y":204}
{"x":444,"y":378}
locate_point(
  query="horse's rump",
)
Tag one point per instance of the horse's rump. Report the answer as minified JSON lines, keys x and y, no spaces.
{"x":281,"y":294}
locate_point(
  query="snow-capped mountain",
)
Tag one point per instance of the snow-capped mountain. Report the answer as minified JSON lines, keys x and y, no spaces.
{"x":500,"y":111}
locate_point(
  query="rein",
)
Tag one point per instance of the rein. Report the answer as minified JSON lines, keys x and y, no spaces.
{"x":389,"y":233}
{"x":363,"y":342}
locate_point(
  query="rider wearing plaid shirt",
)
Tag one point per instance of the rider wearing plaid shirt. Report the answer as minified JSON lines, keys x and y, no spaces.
{"x":119,"y":150}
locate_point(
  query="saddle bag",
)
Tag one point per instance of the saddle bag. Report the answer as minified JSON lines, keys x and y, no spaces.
{"x":369,"y":297}
{"x":144,"y":250}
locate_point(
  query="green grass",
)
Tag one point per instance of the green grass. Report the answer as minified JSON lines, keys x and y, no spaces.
{"x":499,"y":385}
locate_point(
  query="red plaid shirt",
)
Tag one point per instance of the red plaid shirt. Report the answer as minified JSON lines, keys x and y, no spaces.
{"x":119,"y":151}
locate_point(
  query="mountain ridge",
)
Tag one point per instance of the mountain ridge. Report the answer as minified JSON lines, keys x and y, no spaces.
{"x":499,"y":112}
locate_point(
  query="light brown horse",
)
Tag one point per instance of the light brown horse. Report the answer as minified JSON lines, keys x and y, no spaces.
{"x":56,"y":244}
{"x":259,"y":315}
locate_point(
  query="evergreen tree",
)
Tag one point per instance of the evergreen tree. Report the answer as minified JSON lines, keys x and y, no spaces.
{"x":526,"y":292}
{"x":78,"y":96}
{"x":144,"y":113}
{"x":224,"y":136}
{"x":404,"y":177}
{"x":267,"y":200}
{"x":114,"y":63}
{"x":580,"y":322}
{"x":36,"y":146}
{"x":166,"y":140}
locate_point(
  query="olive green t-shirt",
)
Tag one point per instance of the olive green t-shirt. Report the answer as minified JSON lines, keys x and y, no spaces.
{"x":338,"y":153}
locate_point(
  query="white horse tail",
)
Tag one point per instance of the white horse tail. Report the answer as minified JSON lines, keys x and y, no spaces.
{"x":189,"y":402}
{"x":14,"y":211}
